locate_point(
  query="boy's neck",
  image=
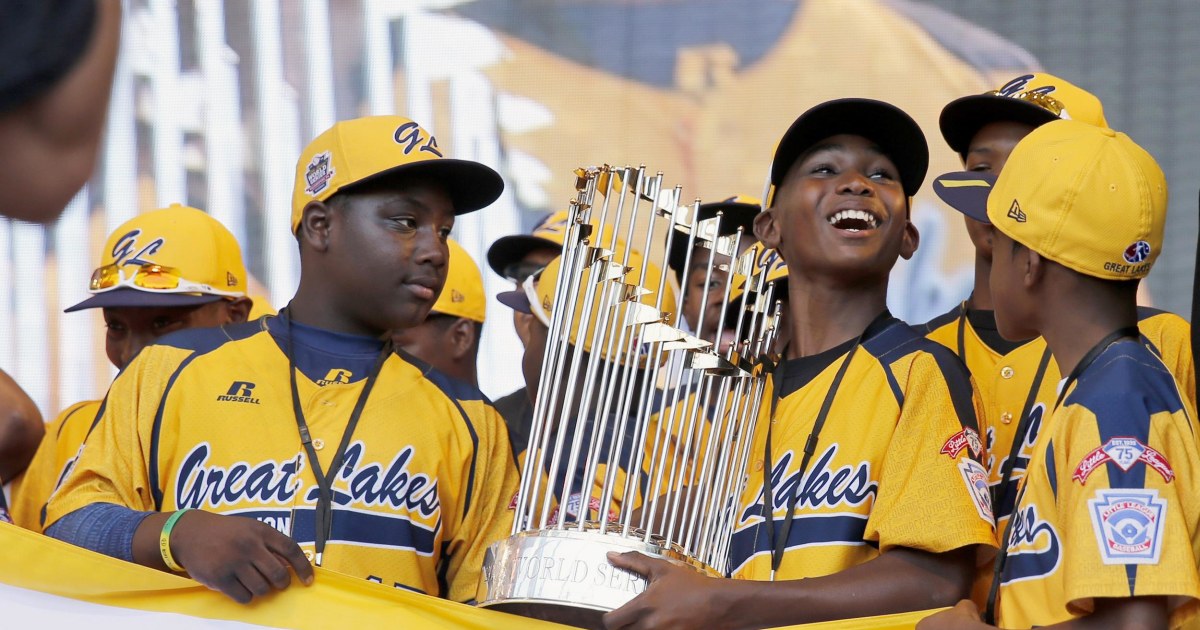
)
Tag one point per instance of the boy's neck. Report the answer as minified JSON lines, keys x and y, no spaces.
{"x":822,"y":315}
{"x":1075,"y":321}
{"x":981,"y":295}
{"x":311,"y":308}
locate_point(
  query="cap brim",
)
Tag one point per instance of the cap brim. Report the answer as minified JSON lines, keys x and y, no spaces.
{"x":898,"y":136}
{"x":736,"y":215}
{"x":507,"y":250}
{"x":516,"y":300}
{"x":964,"y":117}
{"x":471,"y":185}
{"x":966,"y":192}
{"x":133,"y":298}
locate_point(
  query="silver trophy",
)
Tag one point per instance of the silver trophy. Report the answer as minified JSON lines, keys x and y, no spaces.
{"x":640,"y":443}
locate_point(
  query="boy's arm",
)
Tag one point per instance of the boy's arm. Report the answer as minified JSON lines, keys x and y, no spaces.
{"x":238,"y":556}
{"x":896,"y":581}
{"x":489,"y":518}
{"x":21,"y":428}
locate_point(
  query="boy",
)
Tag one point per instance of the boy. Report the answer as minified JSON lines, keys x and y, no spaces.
{"x":140,"y":262}
{"x":1106,"y":521}
{"x":883,"y":511}
{"x":1017,"y":379}
{"x":236,"y":454}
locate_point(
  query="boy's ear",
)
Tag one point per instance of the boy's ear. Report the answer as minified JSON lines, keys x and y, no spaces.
{"x":314,"y":225}
{"x":1034,"y":267}
{"x":461,"y":338}
{"x":910,"y":241}
{"x":766,"y":227}
{"x":239,"y":309}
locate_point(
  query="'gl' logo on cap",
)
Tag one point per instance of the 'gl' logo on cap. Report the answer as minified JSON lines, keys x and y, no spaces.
{"x":1137,"y":252}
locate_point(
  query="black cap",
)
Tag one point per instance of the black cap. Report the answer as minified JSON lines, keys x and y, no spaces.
{"x":895,"y":132}
{"x":737,"y":212}
{"x":966,"y":191}
{"x":964,"y":117}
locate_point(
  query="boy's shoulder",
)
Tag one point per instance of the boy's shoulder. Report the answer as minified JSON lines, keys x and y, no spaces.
{"x":1126,"y":380}
{"x":896,"y":340}
{"x":206,"y":340}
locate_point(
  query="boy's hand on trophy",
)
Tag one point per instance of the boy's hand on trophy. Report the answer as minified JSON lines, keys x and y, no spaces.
{"x":676,"y":596}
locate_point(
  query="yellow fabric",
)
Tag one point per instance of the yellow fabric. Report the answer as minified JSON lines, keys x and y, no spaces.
{"x":354,"y":150}
{"x":1169,"y":336}
{"x":462,"y":295}
{"x":980,"y":358}
{"x":1076,"y":102}
{"x":614,"y":308}
{"x":203,"y":250}
{"x":51,"y":462}
{"x":765,"y":261}
{"x":893,"y":466}
{"x":35,"y":562}
{"x":424,"y":485}
{"x":1108,"y":506}
{"x":1086,"y":197}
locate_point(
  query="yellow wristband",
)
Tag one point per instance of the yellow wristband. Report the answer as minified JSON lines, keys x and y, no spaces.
{"x":164,"y":542}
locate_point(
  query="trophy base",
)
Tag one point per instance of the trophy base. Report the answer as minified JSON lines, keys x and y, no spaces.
{"x":563,"y":575}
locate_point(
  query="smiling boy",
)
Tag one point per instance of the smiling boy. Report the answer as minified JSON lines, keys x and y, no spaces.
{"x":865,"y":447}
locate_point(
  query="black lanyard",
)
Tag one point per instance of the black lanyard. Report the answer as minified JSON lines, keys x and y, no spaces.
{"x":1002,"y":555}
{"x":1002,"y":490}
{"x":323,"y":519}
{"x":778,"y":545}
{"x":962,"y":331}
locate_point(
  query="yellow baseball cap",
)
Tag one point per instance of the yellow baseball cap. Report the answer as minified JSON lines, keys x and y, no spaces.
{"x":462,"y":295}
{"x":536,"y":296}
{"x":1034,"y":98}
{"x":174,"y":256}
{"x":1086,"y":197}
{"x":548,"y":234}
{"x":355,"y":151}
{"x":764,"y":260}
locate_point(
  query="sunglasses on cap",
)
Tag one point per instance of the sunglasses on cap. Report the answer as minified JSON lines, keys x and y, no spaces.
{"x":1041,"y":99}
{"x":150,"y":277}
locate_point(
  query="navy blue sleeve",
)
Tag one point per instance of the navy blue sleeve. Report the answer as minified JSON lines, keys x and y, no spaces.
{"x":105,"y":528}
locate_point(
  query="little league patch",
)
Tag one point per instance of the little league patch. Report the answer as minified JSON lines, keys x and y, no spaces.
{"x":1128,"y":525}
{"x":1124,"y":452}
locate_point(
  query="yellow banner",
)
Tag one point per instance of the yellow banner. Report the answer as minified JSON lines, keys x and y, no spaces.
{"x":38,"y":563}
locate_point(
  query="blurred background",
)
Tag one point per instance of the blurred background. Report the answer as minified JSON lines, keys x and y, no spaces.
{"x":214,"y":99}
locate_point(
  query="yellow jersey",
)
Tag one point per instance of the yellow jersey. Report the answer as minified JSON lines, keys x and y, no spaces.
{"x":204,"y":419}
{"x":1108,"y":506}
{"x":972,"y":335}
{"x":1012,"y":379}
{"x":51,"y":463}
{"x":896,"y":464}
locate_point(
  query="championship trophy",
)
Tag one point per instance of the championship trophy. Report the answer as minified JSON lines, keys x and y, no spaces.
{"x":641,"y":429}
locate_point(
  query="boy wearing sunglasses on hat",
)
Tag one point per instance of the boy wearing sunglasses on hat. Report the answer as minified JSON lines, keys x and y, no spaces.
{"x":1106,"y":521}
{"x":865,"y":447}
{"x":166,"y":270}
{"x":236,"y":454}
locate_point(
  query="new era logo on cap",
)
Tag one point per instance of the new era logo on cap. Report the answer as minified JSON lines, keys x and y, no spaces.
{"x":1016,"y":213}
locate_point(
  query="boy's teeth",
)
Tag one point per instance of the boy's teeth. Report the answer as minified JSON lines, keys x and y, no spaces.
{"x":853,"y":214}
